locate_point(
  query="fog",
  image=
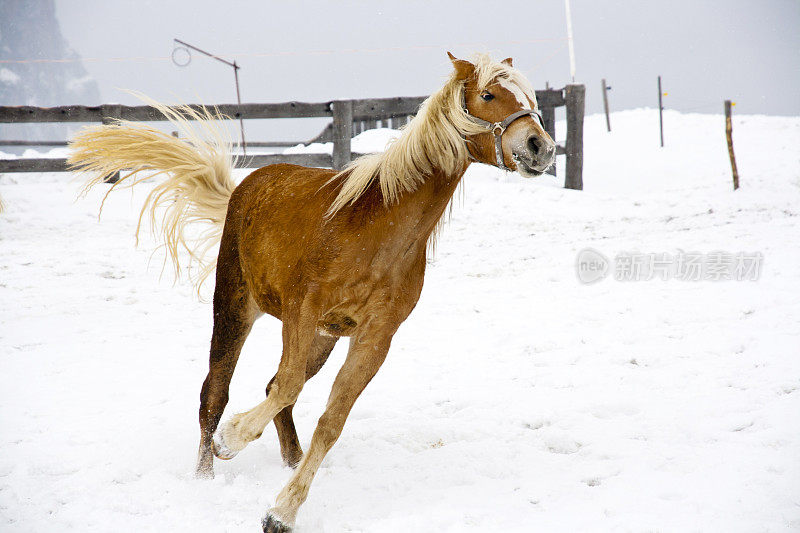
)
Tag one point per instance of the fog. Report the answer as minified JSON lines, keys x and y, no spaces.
{"x":315,"y":51}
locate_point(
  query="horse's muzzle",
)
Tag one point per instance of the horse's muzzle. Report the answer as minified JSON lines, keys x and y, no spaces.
{"x":538,"y":154}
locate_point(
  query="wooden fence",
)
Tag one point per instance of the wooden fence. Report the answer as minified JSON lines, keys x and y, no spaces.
{"x":350,"y":117}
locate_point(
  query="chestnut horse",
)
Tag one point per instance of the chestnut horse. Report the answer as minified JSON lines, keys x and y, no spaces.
{"x":329,"y":254}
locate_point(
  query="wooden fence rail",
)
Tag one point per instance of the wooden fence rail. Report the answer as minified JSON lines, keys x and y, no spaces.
{"x":349,"y":117}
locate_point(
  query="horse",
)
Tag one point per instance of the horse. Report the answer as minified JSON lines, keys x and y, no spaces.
{"x":330,"y":254}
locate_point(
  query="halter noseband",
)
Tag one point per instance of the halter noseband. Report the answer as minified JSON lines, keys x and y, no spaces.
{"x":498,"y":128}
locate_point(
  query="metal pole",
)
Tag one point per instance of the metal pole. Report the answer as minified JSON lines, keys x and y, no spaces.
{"x":239,"y":101}
{"x":236,"y":78}
{"x":660,"y":114}
{"x":605,"y":104}
{"x":209,"y":54}
{"x":569,"y":40}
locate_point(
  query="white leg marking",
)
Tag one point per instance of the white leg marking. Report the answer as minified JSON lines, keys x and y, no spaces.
{"x":243,"y":428}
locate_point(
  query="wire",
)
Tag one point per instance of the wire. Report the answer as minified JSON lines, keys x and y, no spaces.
{"x":281,"y":53}
{"x":85,"y":59}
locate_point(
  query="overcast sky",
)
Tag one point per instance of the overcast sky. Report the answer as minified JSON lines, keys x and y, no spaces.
{"x":706,"y":51}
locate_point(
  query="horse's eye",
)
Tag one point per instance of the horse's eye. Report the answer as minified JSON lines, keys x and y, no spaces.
{"x":487,"y":97}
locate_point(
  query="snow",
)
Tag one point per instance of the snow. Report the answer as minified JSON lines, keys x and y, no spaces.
{"x":514,"y":398}
{"x":30,"y":153}
{"x":368,"y":141}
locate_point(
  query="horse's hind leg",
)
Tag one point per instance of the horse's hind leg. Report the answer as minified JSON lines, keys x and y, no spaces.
{"x":284,"y":423}
{"x":299,"y":317}
{"x":234,"y":314}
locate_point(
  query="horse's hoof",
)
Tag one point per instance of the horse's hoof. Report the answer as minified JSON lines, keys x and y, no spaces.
{"x":205,"y":463}
{"x":204,"y":473}
{"x":270,"y":524}
{"x":221,"y":450}
{"x":293,"y":460}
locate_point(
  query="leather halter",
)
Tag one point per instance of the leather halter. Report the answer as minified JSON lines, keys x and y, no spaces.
{"x":498,"y":128}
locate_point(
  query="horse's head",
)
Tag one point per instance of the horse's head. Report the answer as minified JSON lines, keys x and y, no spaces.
{"x":500,"y":99}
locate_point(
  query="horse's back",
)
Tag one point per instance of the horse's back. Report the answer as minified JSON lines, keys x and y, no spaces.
{"x":283,"y":183}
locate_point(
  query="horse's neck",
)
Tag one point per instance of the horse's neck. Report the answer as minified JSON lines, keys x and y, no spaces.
{"x":418,"y":211}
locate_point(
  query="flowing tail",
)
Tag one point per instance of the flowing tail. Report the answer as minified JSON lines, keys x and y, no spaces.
{"x":198,"y":184}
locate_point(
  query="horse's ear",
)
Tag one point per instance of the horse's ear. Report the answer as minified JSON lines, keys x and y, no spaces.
{"x":464,"y":69}
{"x":507,"y":61}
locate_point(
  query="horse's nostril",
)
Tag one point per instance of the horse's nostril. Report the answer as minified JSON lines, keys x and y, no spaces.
{"x":535,"y":144}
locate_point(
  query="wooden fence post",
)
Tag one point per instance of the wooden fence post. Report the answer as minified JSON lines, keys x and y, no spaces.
{"x":342,"y":132}
{"x":575,"y":96}
{"x":729,"y":135}
{"x":549,"y":119}
{"x":111,"y":112}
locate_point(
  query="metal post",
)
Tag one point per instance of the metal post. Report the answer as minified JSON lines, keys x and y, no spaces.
{"x":660,"y":114}
{"x":570,"y":41}
{"x":605,"y":104}
{"x":239,"y":101}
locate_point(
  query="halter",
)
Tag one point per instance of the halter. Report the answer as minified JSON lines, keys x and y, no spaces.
{"x":498,"y":128}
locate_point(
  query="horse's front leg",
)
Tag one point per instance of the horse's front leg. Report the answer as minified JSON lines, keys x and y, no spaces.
{"x":291,"y":451}
{"x":299,"y":324}
{"x":365,"y":357}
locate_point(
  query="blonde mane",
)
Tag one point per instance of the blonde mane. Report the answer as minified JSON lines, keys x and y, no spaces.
{"x":432,"y":141}
{"x":490,"y":72}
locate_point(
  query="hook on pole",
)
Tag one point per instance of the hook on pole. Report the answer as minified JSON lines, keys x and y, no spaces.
{"x":181,"y":56}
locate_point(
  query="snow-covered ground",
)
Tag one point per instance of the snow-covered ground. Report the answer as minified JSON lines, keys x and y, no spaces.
{"x":515,"y":398}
